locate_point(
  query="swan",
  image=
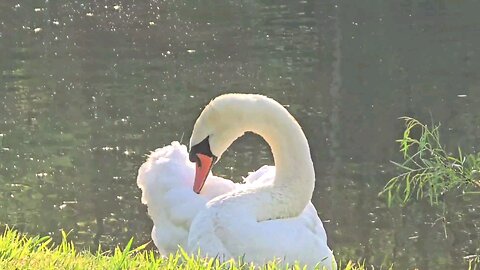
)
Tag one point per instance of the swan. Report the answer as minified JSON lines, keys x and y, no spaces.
{"x":269,"y":216}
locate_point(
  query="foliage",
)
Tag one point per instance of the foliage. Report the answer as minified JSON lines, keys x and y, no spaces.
{"x":428,"y":170}
{"x":18,"y":251}
{"x":473,"y":262}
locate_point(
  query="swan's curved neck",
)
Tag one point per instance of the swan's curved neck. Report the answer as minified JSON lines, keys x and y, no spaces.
{"x":294,"y":177}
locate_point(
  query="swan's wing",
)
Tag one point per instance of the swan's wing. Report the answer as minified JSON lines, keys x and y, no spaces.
{"x":302,"y":238}
{"x":266,"y":175}
{"x":236,"y":234}
{"x":313,"y":222}
{"x":166,"y":181}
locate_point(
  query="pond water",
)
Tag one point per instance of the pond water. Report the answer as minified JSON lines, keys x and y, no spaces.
{"x":88,"y":88}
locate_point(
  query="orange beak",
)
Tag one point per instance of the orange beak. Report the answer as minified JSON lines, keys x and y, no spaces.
{"x":203,"y":167}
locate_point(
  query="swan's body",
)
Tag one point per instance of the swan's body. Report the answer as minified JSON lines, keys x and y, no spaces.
{"x":269,"y":216}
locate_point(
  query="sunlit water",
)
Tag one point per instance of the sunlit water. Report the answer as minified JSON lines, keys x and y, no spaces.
{"x":88,"y":89}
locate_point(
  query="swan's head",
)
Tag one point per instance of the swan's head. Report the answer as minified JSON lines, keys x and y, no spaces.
{"x":219,"y":124}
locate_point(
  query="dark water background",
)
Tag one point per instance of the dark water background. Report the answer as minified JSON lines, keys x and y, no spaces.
{"x":88,"y":88}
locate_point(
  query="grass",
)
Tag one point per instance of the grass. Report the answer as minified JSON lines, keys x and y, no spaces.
{"x":473,"y":262}
{"x":19,"y":251}
{"x":428,"y":170}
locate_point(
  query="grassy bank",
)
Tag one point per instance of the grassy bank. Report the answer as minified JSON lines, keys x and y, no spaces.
{"x":19,"y":251}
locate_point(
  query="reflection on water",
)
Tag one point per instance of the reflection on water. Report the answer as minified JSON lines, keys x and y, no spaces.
{"x":88,"y":89}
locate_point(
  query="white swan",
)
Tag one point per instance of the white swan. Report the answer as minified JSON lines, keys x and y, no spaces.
{"x":269,"y":216}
